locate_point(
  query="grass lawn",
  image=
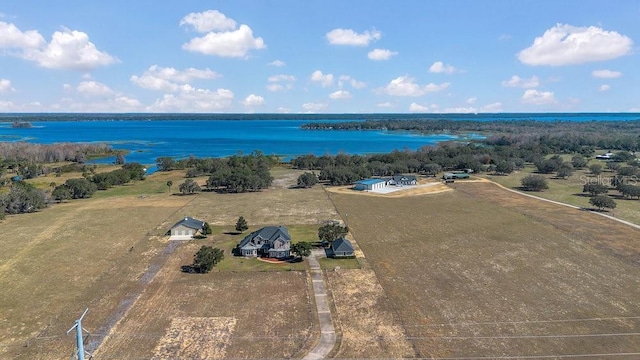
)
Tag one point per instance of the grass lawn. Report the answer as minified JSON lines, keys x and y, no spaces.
{"x":569,"y":190}
{"x":332,"y":263}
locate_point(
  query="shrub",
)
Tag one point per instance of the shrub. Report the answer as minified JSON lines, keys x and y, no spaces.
{"x":534,"y":183}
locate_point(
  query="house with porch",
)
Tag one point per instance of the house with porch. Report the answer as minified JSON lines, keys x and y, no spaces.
{"x":402,"y":180}
{"x":270,"y":241}
{"x":186,"y":229}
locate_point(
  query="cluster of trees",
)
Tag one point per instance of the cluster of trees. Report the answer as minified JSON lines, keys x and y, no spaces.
{"x":22,"y":198}
{"x":331,"y":231}
{"x":82,"y":188}
{"x":307,"y":180}
{"x":205,"y":259}
{"x":238,"y":173}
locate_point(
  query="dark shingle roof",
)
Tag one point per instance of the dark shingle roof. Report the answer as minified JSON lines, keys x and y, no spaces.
{"x":342,"y":244}
{"x":399,"y":178}
{"x":268,"y":233}
{"x":190,"y":223}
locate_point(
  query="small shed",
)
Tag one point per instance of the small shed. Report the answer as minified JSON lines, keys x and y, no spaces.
{"x":341,"y":248}
{"x":455,"y":175}
{"x":369,"y":184}
{"x":186,"y":229}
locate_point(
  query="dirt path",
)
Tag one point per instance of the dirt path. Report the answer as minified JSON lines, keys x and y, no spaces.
{"x":327,"y":331}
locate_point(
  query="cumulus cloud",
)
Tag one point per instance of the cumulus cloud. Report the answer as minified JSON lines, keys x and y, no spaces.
{"x":606,"y":74}
{"x":567,"y":45}
{"x":604,"y":87}
{"x":384,"y":105}
{"x":5,"y":86}
{"x":169,"y":78}
{"x":94,"y":88}
{"x":281,"y":77}
{"x":340,"y":95}
{"x":277,"y":63}
{"x":314,"y":107}
{"x":439,"y":67}
{"x":210,"y":20}
{"x":536,"y":97}
{"x":253,"y":101}
{"x":381,"y":54}
{"x":194,"y":100}
{"x":472,"y":100}
{"x":406,"y":86}
{"x":325,"y":80}
{"x":67,"y":50}
{"x":492,"y":108}
{"x":222,"y":37}
{"x":351,"y":81}
{"x":352,"y":38}
{"x":461,"y":110}
{"x":418,"y":108}
{"x":517,"y":81}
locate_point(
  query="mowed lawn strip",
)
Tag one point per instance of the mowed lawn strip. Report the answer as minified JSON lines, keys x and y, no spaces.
{"x":476,"y":272}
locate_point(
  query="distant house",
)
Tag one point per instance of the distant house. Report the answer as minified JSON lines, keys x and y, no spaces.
{"x":606,"y":156}
{"x":402,"y":180}
{"x":341,"y":248}
{"x":370,"y":184}
{"x":455,"y":175}
{"x":186,"y":229}
{"x":270,"y":241}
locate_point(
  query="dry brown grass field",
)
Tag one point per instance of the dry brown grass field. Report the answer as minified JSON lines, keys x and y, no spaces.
{"x":481,"y":272}
{"x":102,"y":253}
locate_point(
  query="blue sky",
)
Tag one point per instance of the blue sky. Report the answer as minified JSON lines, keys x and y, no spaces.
{"x":292,"y":56}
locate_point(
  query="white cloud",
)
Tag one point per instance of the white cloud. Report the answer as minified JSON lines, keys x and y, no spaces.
{"x":276,"y":80}
{"x":169,"y":79}
{"x":324,"y":80}
{"x":12,"y":37}
{"x":439,"y":67}
{"x":353,"y":82}
{"x":210,"y":20}
{"x":5,"y":86}
{"x":281,"y":77}
{"x":472,"y":100}
{"x":283,"y":110}
{"x":340,"y":95}
{"x":566,"y":45}
{"x":418,"y":108}
{"x":232,"y":43}
{"x":406,"y":86}
{"x":461,"y":110}
{"x":604,"y":87}
{"x":517,"y":81}
{"x":381,"y":54}
{"x":492,"y":108}
{"x":277,"y":63}
{"x":68,"y":49}
{"x":606,"y":74}
{"x":536,"y":97}
{"x":253,"y":100}
{"x":384,"y":105}
{"x":194,"y":100}
{"x":314,"y":107}
{"x":350,"y":37}
{"x":94,"y":88}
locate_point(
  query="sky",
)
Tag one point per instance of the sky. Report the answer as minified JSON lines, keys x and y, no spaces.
{"x":329,"y":56}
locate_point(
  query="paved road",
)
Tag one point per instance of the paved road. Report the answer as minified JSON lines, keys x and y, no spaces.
{"x":327,"y":331}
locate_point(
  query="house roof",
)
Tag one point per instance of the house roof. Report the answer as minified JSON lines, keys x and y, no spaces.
{"x":369,"y":181}
{"x":403,"y":178}
{"x":342,"y":244}
{"x":267,"y":233}
{"x":190,"y":223}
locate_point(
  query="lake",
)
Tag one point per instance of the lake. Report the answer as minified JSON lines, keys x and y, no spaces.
{"x":148,"y":140}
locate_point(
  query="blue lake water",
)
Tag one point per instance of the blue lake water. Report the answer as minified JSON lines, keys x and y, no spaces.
{"x":148,"y":140}
{"x":149,"y":136}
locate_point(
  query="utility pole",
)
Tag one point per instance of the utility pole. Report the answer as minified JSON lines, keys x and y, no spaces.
{"x":79,"y":338}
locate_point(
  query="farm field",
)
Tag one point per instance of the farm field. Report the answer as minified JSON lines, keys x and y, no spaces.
{"x":108,"y":253}
{"x":482,"y":272}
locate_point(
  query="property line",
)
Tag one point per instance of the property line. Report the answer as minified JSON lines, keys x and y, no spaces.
{"x":529,"y":321}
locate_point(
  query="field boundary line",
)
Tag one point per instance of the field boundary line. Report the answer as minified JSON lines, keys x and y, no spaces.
{"x":565,"y":204}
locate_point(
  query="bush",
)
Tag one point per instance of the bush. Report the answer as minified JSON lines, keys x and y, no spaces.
{"x":307,"y":180}
{"x":602,"y":202}
{"x":534,"y":183}
{"x":206,"y":258}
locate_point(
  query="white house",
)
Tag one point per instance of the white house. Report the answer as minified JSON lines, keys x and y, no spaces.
{"x":186,"y":229}
{"x":370,"y":184}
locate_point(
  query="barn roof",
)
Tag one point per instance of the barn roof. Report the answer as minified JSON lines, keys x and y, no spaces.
{"x":369,"y":181}
{"x":190,"y":223}
{"x":342,"y":244}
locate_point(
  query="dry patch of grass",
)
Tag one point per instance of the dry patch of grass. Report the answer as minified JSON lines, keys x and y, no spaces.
{"x":477,"y":272}
{"x":369,"y":329}
{"x":196,"y":338}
